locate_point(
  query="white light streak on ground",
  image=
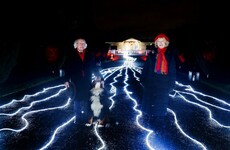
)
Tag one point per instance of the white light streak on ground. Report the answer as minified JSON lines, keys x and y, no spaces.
{"x":33,"y":103}
{"x":103,"y":146}
{"x":109,"y":73}
{"x":186,"y":135}
{"x":139,"y":113}
{"x":28,"y":96}
{"x":57,"y":130}
{"x":205,"y":108}
{"x":32,"y":112}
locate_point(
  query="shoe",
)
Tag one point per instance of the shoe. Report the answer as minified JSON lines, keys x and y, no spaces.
{"x":100,"y":126}
{"x":74,"y":121}
{"x":107,"y":125}
{"x":101,"y":122}
{"x":88,"y":124}
{"x":77,"y":120}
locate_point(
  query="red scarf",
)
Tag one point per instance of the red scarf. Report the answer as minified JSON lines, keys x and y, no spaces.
{"x":161,"y":66}
{"x":82,"y":54}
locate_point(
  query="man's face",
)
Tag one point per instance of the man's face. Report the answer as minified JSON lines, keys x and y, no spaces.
{"x":81,"y":45}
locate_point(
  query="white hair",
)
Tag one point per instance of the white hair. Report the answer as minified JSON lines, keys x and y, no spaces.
{"x":76,"y":42}
{"x":166,"y":43}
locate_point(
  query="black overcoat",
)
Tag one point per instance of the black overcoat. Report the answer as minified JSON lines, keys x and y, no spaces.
{"x":157,"y":86}
{"x":80,"y":72}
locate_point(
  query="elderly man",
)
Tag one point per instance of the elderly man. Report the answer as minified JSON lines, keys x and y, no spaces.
{"x":79,"y":68}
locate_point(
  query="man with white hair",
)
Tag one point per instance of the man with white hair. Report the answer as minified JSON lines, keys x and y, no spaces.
{"x":79,"y":68}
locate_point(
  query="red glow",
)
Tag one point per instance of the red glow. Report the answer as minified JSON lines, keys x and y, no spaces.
{"x":143,"y":58}
{"x":209,"y":56}
{"x":52,"y":54}
{"x":181,"y":58}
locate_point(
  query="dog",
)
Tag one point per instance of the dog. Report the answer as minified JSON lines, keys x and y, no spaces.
{"x":99,"y":104}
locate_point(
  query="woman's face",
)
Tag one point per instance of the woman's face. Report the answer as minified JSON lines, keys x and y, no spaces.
{"x":161,"y":42}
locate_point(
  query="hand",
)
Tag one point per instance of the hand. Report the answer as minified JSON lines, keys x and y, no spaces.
{"x":67,"y":84}
{"x":97,"y":78}
{"x":141,"y":84}
{"x":102,"y":84}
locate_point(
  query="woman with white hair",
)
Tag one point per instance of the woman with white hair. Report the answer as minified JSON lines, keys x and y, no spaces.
{"x":158,"y":78}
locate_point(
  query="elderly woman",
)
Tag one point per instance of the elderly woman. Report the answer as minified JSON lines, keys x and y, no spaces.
{"x":158,"y":78}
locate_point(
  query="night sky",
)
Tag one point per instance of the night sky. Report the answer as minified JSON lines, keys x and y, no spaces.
{"x":114,"y":19}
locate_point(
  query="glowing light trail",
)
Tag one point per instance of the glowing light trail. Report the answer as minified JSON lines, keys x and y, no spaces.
{"x":32,"y":104}
{"x":117,"y":72}
{"x":99,"y":137}
{"x":56,"y":132}
{"x":139,"y":113}
{"x":28,"y":96}
{"x":178,"y":126}
{"x":32,"y":112}
{"x":205,"y":108}
{"x":189,"y":88}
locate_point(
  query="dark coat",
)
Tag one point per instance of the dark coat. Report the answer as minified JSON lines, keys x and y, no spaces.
{"x":150,"y":79}
{"x":157,"y":86}
{"x":74,"y":68}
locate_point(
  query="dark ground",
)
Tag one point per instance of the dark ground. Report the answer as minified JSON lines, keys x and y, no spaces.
{"x":194,"y":121}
